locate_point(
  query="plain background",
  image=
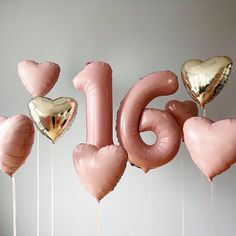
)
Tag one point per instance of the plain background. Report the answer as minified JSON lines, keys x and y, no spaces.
{"x":135,"y":38}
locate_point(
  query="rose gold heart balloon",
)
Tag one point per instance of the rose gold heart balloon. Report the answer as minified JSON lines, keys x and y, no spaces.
{"x":38,"y":78}
{"x":52,"y":117}
{"x":205,"y":79}
{"x":212,"y":146}
{"x":16,"y":140}
{"x":181,"y":111}
{"x":99,"y":169}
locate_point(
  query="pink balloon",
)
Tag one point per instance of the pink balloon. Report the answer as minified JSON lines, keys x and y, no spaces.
{"x":99,"y":164}
{"x":96,"y":82}
{"x":211,"y":145}
{"x":99,"y":169}
{"x":163,"y":124}
{"x":38,"y":78}
{"x":168,"y":139}
{"x":182,"y":111}
{"x":16,"y":140}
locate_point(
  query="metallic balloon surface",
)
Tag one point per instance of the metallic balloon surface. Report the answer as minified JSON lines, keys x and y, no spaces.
{"x":52,"y":117}
{"x":205,"y":79}
{"x":211,"y":145}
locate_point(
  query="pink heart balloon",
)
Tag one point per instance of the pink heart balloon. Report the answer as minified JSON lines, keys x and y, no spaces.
{"x":182,"y":111}
{"x":99,"y":169}
{"x":16,"y":140}
{"x":212,"y":146}
{"x":38,"y":78}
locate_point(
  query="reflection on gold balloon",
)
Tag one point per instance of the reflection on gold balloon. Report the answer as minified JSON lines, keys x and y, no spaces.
{"x":205,"y":79}
{"x":52,"y":117}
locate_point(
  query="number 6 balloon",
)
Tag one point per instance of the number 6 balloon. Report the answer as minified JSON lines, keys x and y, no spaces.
{"x":99,"y":163}
{"x":133,"y":118}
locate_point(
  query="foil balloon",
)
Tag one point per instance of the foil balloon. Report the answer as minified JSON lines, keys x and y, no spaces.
{"x":210,"y":151}
{"x":52,"y":117}
{"x":167,"y":143}
{"x":99,"y":169}
{"x":133,"y":118}
{"x":99,"y":163}
{"x":38,"y":78}
{"x":182,"y":111}
{"x":205,"y":79}
{"x":96,"y":82}
{"x":16,"y":140}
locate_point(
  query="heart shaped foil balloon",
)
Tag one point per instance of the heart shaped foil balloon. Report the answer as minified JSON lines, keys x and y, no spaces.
{"x":211,"y":144}
{"x":16,"y":141}
{"x":182,"y":111}
{"x":38,"y":78}
{"x":52,"y":117}
{"x":99,"y":169}
{"x":205,"y":79}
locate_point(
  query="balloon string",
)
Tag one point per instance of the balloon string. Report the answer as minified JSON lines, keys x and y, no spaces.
{"x":204,"y":212}
{"x":52,"y":192}
{"x":14,"y":204}
{"x":182,"y":194}
{"x":149,"y":185}
{"x":38,"y":194}
{"x":211,"y":210}
{"x":98,"y":220}
{"x":204,"y":207}
{"x":204,"y":112}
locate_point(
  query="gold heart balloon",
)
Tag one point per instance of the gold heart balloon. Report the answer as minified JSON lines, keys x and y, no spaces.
{"x":52,"y":117}
{"x":205,"y":79}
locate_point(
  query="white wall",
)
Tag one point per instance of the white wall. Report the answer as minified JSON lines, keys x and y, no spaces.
{"x":135,"y":37}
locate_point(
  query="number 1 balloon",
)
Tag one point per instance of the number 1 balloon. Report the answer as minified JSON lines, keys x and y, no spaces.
{"x":99,"y":163}
{"x":96,"y":82}
{"x":205,"y":79}
{"x":16,"y":140}
{"x":133,"y":118}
